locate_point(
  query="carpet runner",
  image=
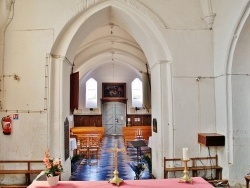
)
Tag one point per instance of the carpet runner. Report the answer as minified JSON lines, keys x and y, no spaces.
{"x":102,"y":169}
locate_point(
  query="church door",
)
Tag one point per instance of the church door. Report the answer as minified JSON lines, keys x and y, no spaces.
{"x":114,"y":117}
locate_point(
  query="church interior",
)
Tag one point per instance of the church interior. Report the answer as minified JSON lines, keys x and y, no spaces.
{"x":160,"y":83}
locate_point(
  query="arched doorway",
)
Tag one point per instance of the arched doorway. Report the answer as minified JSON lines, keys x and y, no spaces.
{"x":144,"y":28}
{"x":238,"y":101}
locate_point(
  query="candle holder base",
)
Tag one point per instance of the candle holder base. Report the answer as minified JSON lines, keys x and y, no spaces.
{"x":116,"y":180}
{"x":186,"y":178}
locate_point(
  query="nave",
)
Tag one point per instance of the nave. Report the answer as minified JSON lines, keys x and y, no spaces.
{"x":102,"y":167}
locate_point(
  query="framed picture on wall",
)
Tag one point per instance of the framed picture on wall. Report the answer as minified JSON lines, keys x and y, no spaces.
{"x":114,"y":90}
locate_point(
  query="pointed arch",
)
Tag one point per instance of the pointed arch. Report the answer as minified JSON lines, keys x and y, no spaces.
{"x":137,"y":93}
{"x":91,"y":93}
{"x":133,"y":17}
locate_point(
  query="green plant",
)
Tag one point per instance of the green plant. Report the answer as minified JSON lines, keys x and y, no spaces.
{"x":147,"y":158}
{"x":75,"y":158}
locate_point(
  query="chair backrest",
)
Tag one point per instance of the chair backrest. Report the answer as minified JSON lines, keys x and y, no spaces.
{"x":94,"y":140}
{"x":82,"y":141}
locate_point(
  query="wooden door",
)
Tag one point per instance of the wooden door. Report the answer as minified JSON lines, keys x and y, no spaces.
{"x":114,"y":117}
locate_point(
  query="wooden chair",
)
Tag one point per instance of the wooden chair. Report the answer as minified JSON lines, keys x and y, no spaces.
{"x":94,"y":142}
{"x":83,"y":146}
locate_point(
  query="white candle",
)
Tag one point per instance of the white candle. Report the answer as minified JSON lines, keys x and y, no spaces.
{"x":185,"y":153}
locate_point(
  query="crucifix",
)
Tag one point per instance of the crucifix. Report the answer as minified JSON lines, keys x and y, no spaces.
{"x":116,"y":178}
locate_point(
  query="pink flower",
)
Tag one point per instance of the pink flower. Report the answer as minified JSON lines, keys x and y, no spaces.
{"x":53,"y":167}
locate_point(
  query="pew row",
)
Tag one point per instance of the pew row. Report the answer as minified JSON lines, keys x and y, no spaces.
{"x":26,"y":167}
{"x":79,"y":131}
{"x":89,"y":135}
{"x":132,"y":133}
{"x":194,"y":165}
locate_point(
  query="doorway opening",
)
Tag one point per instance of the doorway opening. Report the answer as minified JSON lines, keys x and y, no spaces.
{"x":114,"y":117}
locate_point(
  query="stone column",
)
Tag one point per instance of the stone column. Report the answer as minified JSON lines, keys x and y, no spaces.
{"x":161,"y":93}
{"x":59,"y":109}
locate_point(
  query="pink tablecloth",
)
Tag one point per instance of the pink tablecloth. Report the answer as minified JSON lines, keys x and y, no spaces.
{"x":157,"y":183}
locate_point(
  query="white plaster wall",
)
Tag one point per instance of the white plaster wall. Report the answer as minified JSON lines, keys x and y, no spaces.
{"x":192,"y":52}
{"x":241,"y":106}
{"x":43,"y":15}
{"x":26,"y":58}
{"x":59,"y":110}
{"x":158,"y":112}
{"x":25,"y":54}
{"x":28,"y":140}
{"x":241,"y":130}
{"x":193,"y":101}
{"x":114,"y":72}
{"x":226,"y":29}
{"x":29,"y":39}
{"x":63,"y":114}
{"x":228,"y":13}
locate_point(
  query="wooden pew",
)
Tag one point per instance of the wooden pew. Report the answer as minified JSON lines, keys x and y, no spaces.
{"x":130,"y":133}
{"x":212,"y":164}
{"x":194,"y":165}
{"x":79,"y":132}
{"x":27,"y":167}
{"x":173,"y":165}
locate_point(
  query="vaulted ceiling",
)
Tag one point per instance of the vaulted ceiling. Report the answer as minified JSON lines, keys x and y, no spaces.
{"x":108,"y":35}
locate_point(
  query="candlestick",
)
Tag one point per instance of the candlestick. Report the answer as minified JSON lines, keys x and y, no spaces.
{"x":185,"y":153}
{"x":186,"y":178}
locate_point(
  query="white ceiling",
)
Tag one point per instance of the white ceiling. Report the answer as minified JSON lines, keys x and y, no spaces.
{"x":108,"y":36}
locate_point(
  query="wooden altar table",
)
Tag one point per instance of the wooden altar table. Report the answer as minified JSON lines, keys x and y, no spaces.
{"x":198,"y":182}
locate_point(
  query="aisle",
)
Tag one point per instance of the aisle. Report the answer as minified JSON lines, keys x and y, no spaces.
{"x":103,"y":168}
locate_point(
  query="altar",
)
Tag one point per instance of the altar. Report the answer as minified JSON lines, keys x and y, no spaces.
{"x":198,"y":182}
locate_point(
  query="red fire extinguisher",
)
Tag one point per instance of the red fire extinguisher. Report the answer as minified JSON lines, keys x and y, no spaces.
{"x":6,"y":125}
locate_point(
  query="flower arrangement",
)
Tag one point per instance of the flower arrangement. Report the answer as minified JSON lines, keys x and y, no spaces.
{"x":53,"y":166}
{"x":138,"y":168}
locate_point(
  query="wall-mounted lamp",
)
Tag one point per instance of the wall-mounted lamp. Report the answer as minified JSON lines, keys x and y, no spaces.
{"x":137,"y":108}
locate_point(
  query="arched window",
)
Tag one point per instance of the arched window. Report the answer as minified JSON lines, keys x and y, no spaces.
{"x":91,"y":93}
{"x":137,"y":94}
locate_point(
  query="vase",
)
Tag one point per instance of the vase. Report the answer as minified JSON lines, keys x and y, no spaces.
{"x":53,"y":180}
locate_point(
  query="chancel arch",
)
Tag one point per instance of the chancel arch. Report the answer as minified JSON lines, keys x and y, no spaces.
{"x":146,"y":36}
{"x":237,"y":98}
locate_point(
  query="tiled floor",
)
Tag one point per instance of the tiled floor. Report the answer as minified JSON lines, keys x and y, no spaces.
{"x":93,"y":169}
